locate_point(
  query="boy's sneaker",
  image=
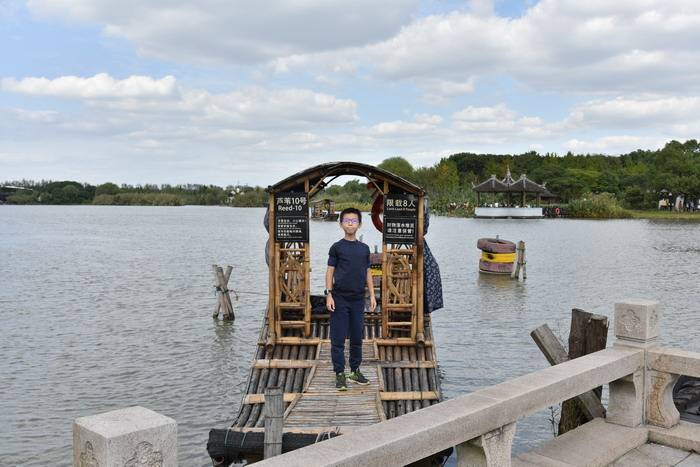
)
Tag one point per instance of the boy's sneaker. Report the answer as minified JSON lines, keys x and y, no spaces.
{"x":359,"y":378}
{"x":340,"y":383}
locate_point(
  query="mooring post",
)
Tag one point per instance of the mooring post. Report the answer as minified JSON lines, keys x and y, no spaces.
{"x":588,"y":334}
{"x":519,"y":262}
{"x":223,"y":302}
{"x":274,"y":420}
{"x":553,"y":350}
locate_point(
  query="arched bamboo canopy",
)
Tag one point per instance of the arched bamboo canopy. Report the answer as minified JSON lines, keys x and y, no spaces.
{"x":318,"y":175}
{"x":402,"y":284}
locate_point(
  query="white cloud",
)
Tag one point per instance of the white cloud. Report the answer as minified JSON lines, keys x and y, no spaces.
{"x":439,"y":91}
{"x":99,"y":86}
{"x":480,"y":114}
{"x":421,"y":125}
{"x":616,"y":144}
{"x":139,"y":100}
{"x":629,"y":112}
{"x":239,"y":31}
{"x":563,"y":45}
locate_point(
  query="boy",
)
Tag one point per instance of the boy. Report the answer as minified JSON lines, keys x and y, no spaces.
{"x":346,"y":277}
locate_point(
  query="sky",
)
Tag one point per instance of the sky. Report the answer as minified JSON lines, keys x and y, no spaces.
{"x":249,"y":92}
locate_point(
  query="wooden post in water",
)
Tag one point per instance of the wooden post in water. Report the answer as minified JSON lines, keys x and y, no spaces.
{"x":519,"y":262}
{"x":223,"y":299}
{"x":588,"y":334}
{"x":274,"y":413}
{"x":588,"y":403}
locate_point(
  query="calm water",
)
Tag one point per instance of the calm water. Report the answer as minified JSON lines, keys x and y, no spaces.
{"x":107,"y":307}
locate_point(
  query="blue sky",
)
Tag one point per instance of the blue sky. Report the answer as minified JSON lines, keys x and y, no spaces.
{"x":241,"y":91}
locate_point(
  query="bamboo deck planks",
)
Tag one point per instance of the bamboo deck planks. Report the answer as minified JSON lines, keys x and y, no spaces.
{"x":402,"y":374}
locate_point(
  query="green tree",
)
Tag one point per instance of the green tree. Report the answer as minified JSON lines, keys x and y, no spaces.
{"x":398,"y":166}
{"x":107,"y":189}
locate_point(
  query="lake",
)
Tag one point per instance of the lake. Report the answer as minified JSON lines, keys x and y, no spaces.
{"x":104,"y":307}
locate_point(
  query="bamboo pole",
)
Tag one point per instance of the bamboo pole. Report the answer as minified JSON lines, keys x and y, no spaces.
{"x":420,"y":321}
{"x":385,"y":291}
{"x":389,"y":380}
{"x":274,"y":421}
{"x":403,"y":396}
{"x":289,"y":381}
{"x":272,"y":272}
{"x":307,"y":275}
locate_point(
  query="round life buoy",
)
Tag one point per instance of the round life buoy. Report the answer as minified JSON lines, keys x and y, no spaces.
{"x":498,"y":257}
{"x":377,"y":209}
{"x":557,"y":211}
{"x":493,"y":245}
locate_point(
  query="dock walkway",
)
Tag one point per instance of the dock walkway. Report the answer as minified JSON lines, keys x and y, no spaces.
{"x":322,"y":405}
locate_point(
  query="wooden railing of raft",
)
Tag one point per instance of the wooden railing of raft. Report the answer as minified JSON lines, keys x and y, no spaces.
{"x":481,"y":425}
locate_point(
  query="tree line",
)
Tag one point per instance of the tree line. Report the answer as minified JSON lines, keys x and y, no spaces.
{"x":72,"y":192}
{"x":634,"y":180}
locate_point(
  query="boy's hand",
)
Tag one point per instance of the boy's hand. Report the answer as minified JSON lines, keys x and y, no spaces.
{"x":372,"y":303}
{"x":330,"y":303}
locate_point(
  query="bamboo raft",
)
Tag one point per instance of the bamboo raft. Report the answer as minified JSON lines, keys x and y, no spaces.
{"x":293,"y":348}
{"x":403,"y":378}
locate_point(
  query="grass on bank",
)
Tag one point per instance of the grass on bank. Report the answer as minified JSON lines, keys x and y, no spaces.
{"x":667,"y":215}
{"x":597,"y":206}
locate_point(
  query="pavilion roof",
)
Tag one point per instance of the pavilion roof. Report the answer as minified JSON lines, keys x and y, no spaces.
{"x":526,"y":185}
{"x":492,"y":185}
{"x":508,"y":185}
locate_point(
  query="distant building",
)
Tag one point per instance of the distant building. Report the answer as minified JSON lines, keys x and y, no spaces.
{"x":516,"y":204}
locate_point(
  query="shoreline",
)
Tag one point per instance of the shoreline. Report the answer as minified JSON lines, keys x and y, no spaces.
{"x":635,"y":213}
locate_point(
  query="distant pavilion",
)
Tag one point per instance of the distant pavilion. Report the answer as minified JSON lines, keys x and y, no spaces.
{"x":508,"y":185}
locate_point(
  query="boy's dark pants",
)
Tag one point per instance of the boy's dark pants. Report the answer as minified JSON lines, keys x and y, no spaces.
{"x":348,"y":319}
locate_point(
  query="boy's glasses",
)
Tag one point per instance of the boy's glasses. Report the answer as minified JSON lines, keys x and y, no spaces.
{"x":351,"y":221}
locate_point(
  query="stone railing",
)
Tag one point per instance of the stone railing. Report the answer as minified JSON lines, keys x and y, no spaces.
{"x":482,"y":424}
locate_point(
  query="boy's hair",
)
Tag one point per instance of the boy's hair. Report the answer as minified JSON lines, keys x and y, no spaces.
{"x":350,"y":211}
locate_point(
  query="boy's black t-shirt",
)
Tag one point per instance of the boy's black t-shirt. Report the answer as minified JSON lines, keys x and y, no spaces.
{"x":351,"y":261}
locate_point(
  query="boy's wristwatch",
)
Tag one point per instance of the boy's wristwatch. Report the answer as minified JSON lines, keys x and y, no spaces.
{"x":327,"y":291}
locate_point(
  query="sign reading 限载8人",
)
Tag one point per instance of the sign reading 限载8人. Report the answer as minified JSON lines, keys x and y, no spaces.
{"x":400,"y":219}
{"x":291,"y":217}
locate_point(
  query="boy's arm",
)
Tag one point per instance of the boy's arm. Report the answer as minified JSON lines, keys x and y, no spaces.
{"x":330,"y":303}
{"x":370,"y":287}
{"x":329,"y":277}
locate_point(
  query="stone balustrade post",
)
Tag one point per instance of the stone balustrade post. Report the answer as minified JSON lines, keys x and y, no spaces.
{"x":659,"y":408}
{"x":131,"y":437}
{"x":647,"y":395}
{"x":492,"y":449}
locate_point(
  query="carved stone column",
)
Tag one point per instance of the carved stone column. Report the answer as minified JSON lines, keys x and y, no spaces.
{"x":637,"y":323}
{"x":131,"y":437}
{"x":492,"y":449}
{"x":626,"y":405}
{"x":660,"y":409}
{"x":647,"y":395}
